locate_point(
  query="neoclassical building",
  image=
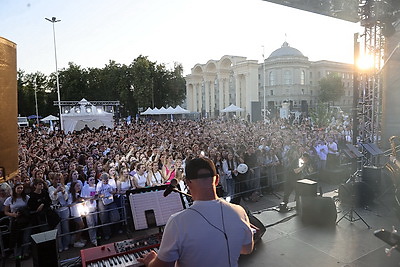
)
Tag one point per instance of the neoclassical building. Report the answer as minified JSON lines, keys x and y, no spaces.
{"x":286,"y":75}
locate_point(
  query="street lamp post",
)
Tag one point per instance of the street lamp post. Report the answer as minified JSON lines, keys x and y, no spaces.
{"x":37,"y":110}
{"x":265,"y":107}
{"x":54,"y":20}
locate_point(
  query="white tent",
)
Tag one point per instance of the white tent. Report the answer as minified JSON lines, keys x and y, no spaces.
{"x":50,"y":118}
{"x":232,"y":108}
{"x":155,"y":111}
{"x":179,"y":110}
{"x":148,"y":111}
{"x":85,"y":114}
{"x":170,"y":110}
{"x":162,"y":111}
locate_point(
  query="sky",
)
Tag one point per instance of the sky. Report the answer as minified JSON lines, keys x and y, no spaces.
{"x":92,"y":32}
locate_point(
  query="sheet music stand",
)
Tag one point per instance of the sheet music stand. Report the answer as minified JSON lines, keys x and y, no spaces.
{"x":150,"y":208}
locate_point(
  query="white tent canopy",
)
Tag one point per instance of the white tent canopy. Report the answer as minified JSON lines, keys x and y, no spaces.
{"x":148,"y":111}
{"x":165,"y":111}
{"x":85,"y":114}
{"x":50,"y":118}
{"x":179,"y":110}
{"x":232,"y":108}
{"x":170,"y":110}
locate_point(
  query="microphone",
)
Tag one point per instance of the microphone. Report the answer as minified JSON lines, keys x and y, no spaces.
{"x":170,"y":187}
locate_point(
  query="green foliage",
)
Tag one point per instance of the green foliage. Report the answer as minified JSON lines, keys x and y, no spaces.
{"x":321,"y":115}
{"x":142,"y":84}
{"x":331,"y":88}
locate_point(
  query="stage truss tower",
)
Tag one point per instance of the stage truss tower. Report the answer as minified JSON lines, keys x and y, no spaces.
{"x":372,"y":18}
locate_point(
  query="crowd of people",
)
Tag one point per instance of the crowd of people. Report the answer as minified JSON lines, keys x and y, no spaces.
{"x":59,"y":173}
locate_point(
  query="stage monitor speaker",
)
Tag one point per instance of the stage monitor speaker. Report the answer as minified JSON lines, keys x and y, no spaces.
{"x":44,"y":249}
{"x":319,"y":211}
{"x":256,"y":111}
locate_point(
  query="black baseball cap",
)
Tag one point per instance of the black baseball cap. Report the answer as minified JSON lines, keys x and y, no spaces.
{"x":193,"y":166}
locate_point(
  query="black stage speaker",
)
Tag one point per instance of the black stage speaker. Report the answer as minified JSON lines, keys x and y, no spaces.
{"x":306,"y":187}
{"x":372,"y":177}
{"x":44,"y":249}
{"x":317,"y":210}
{"x":256,"y":111}
{"x":356,"y":194}
{"x":304,"y":106}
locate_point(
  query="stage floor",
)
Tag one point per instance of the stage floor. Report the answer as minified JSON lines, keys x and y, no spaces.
{"x":350,"y":244}
{"x":294,"y":243}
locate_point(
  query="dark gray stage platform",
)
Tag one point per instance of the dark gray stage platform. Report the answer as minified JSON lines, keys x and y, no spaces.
{"x":350,"y":244}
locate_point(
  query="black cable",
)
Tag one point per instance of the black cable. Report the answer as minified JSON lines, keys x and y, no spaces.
{"x":281,"y":221}
{"x":226,"y":237}
{"x":223,"y":232}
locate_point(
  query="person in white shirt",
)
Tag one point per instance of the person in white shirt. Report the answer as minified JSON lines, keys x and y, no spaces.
{"x":106,"y":205}
{"x":154,"y":176}
{"x":140,"y":177}
{"x":16,"y":207}
{"x":212,"y":232}
{"x":58,"y":193}
{"x":333,"y":152}
{"x":89,"y":194}
{"x":75,"y":204}
{"x":322,"y":151}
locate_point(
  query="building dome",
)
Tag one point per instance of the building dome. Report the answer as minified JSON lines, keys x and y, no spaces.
{"x":286,"y":51}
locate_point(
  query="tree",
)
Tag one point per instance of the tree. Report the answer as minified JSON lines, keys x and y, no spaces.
{"x":73,"y":82}
{"x":331,"y":88}
{"x":321,"y":115}
{"x":142,"y":84}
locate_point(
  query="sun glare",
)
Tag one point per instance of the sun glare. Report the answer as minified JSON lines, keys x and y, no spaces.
{"x":365,"y":62}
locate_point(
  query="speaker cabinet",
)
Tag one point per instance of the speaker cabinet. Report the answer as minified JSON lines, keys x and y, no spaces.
{"x":44,"y":249}
{"x":306,"y":187}
{"x":356,"y":193}
{"x":372,"y":177}
{"x":317,"y":210}
{"x":256,"y":111}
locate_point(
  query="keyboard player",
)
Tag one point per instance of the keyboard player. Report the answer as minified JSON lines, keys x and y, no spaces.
{"x":212,"y":232}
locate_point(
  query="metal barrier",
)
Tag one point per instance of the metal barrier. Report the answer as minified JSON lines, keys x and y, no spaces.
{"x":5,"y":226}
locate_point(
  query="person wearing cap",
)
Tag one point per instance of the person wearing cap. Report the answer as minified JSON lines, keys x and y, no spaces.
{"x":212,"y":232}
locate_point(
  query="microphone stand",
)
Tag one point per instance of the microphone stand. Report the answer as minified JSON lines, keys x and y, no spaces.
{"x":188,"y":196}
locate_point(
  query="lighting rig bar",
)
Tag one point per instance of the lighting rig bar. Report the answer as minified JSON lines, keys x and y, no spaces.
{"x":94,"y":103}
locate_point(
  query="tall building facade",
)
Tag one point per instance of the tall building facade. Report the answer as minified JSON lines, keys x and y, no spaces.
{"x":285,"y":76}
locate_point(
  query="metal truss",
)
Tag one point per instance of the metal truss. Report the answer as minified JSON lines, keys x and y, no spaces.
{"x":370,"y":84}
{"x":94,"y":103}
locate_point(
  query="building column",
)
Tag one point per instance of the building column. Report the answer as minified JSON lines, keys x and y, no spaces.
{"x":238,"y":90}
{"x":198,"y":97}
{"x":189,"y":96}
{"x":212,"y":101}
{"x":207,"y":96}
{"x":227,"y":89}
{"x":221,"y":87}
